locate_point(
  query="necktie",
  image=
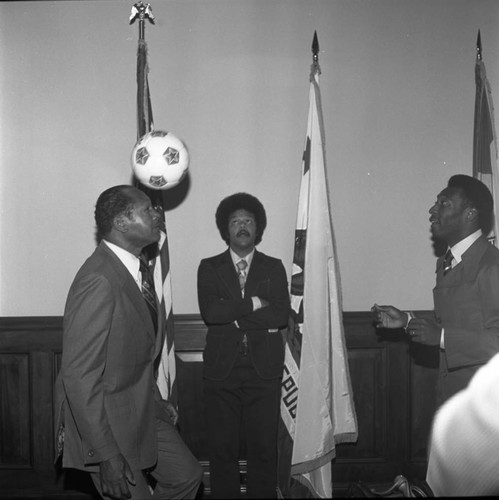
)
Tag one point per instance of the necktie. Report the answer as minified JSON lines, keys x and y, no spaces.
{"x":242,"y":265}
{"x":448,"y":261}
{"x":148,"y":290}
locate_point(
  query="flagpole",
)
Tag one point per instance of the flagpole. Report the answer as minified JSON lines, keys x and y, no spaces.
{"x":157,"y":254}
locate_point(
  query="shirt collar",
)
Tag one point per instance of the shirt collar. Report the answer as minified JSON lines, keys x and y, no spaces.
{"x":461,"y":246}
{"x":130,"y":261}
{"x":248,"y":258}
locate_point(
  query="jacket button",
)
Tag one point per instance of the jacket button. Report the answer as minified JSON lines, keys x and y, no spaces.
{"x":91,"y":453}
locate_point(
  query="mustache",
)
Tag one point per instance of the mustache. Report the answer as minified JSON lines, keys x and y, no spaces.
{"x":242,"y":232}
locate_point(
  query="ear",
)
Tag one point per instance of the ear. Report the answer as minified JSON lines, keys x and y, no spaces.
{"x":119,"y":223}
{"x":471,"y":214}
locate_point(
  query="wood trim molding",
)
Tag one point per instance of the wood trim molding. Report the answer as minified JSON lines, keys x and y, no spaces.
{"x":45,"y":332}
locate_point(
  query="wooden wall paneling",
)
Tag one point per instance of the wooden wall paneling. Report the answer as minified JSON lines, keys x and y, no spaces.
{"x":190,"y":335}
{"x":369,"y":377}
{"x":41,"y":412}
{"x":393,"y":388}
{"x":379,"y":371}
{"x":15,"y":432}
{"x":190,"y":405}
{"x":424,"y":373}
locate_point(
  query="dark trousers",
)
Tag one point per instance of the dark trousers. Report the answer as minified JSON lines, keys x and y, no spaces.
{"x":242,"y":405}
{"x":177,"y":472}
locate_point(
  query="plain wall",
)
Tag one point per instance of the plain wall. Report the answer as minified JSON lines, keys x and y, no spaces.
{"x":231,"y":78}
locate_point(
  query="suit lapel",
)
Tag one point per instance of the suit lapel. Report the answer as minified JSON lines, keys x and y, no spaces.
{"x":256,"y":273}
{"x":468,"y":267}
{"x":228,"y":275}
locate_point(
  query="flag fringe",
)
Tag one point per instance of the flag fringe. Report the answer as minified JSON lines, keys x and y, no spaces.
{"x":311,"y":465}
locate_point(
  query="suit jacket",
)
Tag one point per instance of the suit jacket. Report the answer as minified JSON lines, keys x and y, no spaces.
{"x":467,"y":306}
{"x":106,"y":390}
{"x":221,"y":305}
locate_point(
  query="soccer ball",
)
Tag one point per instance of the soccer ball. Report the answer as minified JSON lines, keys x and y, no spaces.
{"x":160,"y":160}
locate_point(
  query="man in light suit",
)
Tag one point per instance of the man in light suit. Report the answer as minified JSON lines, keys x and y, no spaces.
{"x":116,"y":425}
{"x":465,"y":439}
{"x":243,"y":304}
{"x":466,"y":297}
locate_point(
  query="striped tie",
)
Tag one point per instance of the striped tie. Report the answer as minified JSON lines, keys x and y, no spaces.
{"x":148,"y":290}
{"x":242,"y":265}
{"x":448,"y":261}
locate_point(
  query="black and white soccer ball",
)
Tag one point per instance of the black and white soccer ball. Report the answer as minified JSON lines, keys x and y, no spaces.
{"x":160,"y":160}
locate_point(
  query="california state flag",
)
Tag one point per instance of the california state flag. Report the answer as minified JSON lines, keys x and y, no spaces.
{"x":317,"y":410}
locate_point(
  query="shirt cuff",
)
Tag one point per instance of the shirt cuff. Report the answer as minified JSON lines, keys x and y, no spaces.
{"x":257,"y":303}
{"x":410,"y":315}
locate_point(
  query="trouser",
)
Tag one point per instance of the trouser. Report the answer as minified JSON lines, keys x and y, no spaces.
{"x":177,"y":473}
{"x":242,"y":405}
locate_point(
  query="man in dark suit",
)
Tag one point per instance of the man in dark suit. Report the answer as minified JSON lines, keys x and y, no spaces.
{"x":116,"y":425}
{"x":465,"y":325}
{"x":244,"y":300}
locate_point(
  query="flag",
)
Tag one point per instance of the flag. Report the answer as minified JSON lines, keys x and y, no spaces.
{"x":317,"y":410}
{"x":484,"y":138}
{"x":158,"y":254}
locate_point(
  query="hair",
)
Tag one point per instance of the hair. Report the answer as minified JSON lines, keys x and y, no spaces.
{"x":477,"y":195}
{"x":112,"y":203}
{"x":240,"y":201}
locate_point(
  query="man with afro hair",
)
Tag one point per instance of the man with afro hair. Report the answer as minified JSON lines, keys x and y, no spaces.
{"x":244,"y":300}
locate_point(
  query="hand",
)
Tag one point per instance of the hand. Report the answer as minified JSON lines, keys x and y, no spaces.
{"x":424,"y":331}
{"x":115,"y":474}
{"x":170,"y":410}
{"x":265,"y":302}
{"x":388,"y":317}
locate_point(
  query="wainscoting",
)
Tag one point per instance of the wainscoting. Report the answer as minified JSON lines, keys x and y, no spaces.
{"x":393,"y":386}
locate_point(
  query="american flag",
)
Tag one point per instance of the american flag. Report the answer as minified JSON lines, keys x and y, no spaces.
{"x":158,"y":255}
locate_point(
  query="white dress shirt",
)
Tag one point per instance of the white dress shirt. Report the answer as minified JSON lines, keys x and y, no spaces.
{"x":130,"y":261}
{"x":460,"y":247}
{"x":257,"y":304}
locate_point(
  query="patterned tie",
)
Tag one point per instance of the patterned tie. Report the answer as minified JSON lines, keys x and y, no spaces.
{"x":242,"y":265}
{"x":148,"y":290}
{"x":448,"y":261}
